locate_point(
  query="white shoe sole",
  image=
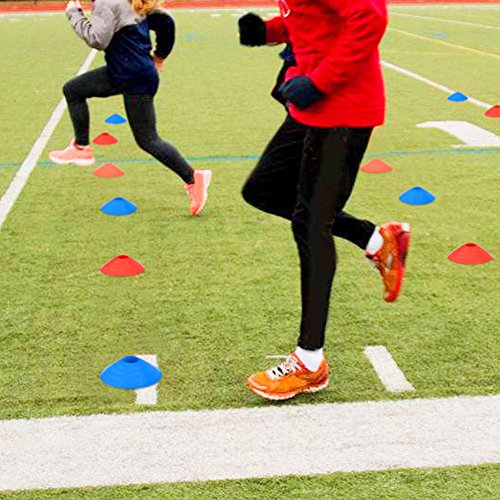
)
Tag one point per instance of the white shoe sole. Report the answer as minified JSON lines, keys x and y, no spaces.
{"x":79,"y":162}
{"x":324,"y":385}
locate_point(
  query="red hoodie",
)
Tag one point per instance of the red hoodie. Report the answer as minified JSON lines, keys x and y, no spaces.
{"x":335,"y":43}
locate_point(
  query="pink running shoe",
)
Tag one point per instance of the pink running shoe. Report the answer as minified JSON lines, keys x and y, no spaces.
{"x":79,"y":155}
{"x":198,"y":190}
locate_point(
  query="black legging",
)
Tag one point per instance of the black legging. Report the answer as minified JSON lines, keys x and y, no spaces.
{"x":306,"y":175}
{"x":140,"y":113}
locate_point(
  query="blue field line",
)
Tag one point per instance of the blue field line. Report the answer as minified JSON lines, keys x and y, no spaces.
{"x":254,"y":157}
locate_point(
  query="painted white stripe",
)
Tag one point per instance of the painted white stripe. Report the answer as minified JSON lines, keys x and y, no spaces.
{"x":471,"y":135}
{"x":21,"y":178}
{"x":158,"y":447}
{"x":277,"y":356}
{"x":438,"y":86}
{"x":450,"y":21}
{"x":387,"y":369}
{"x":148,"y":395}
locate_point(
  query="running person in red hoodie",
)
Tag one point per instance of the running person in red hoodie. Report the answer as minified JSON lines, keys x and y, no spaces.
{"x":334,"y":94}
{"x":121,"y":28}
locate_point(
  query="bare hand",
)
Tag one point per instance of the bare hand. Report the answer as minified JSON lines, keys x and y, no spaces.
{"x":158,"y":62}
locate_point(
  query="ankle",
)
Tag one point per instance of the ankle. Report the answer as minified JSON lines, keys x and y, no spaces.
{"x":311,"y":359}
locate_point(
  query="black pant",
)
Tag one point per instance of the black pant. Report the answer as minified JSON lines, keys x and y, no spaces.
{"x":306,"y":175}
{"x":140,"y":113}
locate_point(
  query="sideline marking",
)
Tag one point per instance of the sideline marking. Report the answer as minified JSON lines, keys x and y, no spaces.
{"x":387,"y":370}
{"x":21,"y":178}
{"x":471,"y":135}
{"x":451,"y":21}
{"x":436,"y":85}
{"x":148,"y":395}
{"x":161,"y":446}
{"x":447,"y":44}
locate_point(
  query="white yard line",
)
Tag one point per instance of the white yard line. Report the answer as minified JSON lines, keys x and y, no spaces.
{"x":21,"y":178}
{"x":148,"y":395}
{"x":438,"y":86}
{"x":387,"y":370}
{"x":160,"y":447}
{"x":450,"y":21}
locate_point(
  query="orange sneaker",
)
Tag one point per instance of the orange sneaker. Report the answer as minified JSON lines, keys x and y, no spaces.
{"x":390,"y":259}
{"x":198,"y":190}
{"x":81,"y":155}
{"x":288,"y":379}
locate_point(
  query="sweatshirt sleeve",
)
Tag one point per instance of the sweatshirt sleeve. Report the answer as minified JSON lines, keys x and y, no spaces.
{"x":364,"y":23}
{"x":98,"y":32}
{"x":276,"y":31}
{"x":163,"y":25}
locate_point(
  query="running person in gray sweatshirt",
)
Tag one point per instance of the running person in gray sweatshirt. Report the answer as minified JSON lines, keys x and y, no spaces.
{"x":121,"y":28}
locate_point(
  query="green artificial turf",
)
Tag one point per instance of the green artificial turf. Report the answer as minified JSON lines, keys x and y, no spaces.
{"x":457,"y":483}
{"x":221,"y":291}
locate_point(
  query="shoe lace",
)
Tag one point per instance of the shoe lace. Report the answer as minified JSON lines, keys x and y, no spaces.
{"x":288,"y":366}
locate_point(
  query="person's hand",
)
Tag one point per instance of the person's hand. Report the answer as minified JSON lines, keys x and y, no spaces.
{"x":159,"y":62}
{"x":252,"y":30}
{"x":300,"y":91}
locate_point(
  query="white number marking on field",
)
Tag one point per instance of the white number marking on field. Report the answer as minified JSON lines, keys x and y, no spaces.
{"x":471,"y":135}
{"x":387,"y":369}
{"x":148,"y":395}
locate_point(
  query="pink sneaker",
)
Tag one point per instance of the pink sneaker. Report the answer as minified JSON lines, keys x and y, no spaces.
{"x":198,"y":191}
{"x":81,"y":155}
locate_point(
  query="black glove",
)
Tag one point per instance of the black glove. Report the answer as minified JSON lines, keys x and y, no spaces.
{"x":252,"y":30}
{"x":300,"y":91}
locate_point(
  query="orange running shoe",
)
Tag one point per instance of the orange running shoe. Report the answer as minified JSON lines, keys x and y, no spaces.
{"x":288,"y":379}
{"x":198,"y":190}
{"x":390,"y":259}
{"x":81,"y":155}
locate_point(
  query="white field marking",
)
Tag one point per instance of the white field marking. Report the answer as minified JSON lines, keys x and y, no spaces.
{"x":276,"y":440}
{"x":21,"y":178}
{"x":471,"y":135}
{"x":450,"y":21}
{"x":438,"y":86}
{"x":276,"y":356}
{"x":148,"y":395}
{"x":446,"y":44}
{"x":387,"y":369}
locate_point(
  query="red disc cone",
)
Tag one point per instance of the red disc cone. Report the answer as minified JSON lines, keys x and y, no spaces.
{"x":105,"y":139}
{"x":108,"y":170}
{"x":376,"y":167}
{"x":470,"y":253}
{"x":123,"y":265}
{"x":493,"y":112}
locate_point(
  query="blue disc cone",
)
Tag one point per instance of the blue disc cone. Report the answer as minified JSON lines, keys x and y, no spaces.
{"x":118,"y":206}
{"x":417,"y":196}
{"x":115,"y":119}
{"x":457,"y":97}
{"x":130,"y":373}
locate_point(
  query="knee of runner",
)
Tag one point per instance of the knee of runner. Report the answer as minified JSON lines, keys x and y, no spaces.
{"x":248,"y":192}
{"x":69,"y":90}
{"x":145,"y":142}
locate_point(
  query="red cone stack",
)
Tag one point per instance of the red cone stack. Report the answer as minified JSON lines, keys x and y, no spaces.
{"x":108,"y":170}
{"x":493,"y":112}
{"x":376,"y":167}
{"x":122,"y":266}
{"x":470,"y":254}
{"x":105,"y":139}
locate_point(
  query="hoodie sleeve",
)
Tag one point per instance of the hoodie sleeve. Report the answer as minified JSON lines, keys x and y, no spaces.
{"x":364,"y":24}
{"x":163,"y":25}
{"x":98,"y":32}
{"x":276,"y":31}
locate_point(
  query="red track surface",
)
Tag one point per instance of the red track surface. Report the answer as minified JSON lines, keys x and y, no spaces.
{"x":208,"y":4}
